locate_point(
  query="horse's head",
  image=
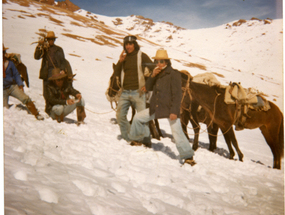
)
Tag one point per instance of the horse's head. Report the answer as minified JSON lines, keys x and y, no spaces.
{"x":114,"y":84}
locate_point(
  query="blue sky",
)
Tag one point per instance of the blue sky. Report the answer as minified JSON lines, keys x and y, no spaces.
{"x":191,"y":14}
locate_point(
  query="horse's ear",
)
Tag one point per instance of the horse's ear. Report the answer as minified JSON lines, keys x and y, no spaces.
{"x":114,"y":66}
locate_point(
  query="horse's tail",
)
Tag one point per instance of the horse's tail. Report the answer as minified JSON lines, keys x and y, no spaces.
{"x":281,"y":138}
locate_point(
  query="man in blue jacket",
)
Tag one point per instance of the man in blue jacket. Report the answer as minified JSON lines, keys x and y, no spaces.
{"x":13,"y":86}
{"x":165,"y":82}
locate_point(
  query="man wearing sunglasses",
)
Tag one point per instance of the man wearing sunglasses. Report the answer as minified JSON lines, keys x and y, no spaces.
{"x":52,"y":57}
{"x":130,"y":70}
{"x":165,"y":82}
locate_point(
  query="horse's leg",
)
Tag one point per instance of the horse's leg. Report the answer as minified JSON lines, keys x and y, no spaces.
{"x":212,"y":133}
{"x":271,"y":143}
{"x":228,"y":137}
{"x":231,"y":133}
{"x":133,"y":113}
{"x":184,"y":118}
{"x":157,"y":127}
{"x":195,"y":124}
{"x":153,"y":130}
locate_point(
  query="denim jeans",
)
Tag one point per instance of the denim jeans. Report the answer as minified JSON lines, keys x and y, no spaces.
{"x":128,"y":98}
{"x":16,"y":92}
{"x":139,"y":130}
{"x":65,"y":109}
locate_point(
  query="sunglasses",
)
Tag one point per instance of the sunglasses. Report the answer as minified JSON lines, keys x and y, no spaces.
{"x":58,"y":80}
{"x":159,"y":61}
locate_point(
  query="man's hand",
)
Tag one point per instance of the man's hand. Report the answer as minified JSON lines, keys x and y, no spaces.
{"x":172,"y":116}
{"x":123,"y":56}
{"x":78,"y":96}
{"x":143,"y":89}
{"x":70,"y":101}
{"x":21,"y":88}
{"x":156,"y":71}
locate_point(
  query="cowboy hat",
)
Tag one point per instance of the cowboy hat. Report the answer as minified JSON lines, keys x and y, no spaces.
{"x":50,"y":35}
{"x":57,"y":74}
{"x":161,"y":54}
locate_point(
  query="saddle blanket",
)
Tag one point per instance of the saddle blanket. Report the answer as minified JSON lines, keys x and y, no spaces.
{"x":206,"y":78}
{"x":235,"y":92}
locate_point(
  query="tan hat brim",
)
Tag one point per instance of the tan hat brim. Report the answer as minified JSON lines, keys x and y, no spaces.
{"x":160,"y":58}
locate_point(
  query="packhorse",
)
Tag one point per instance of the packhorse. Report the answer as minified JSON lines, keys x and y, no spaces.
{"x":113,"y":94}
{"x":193,"y":112}
{"x":270,"y":122}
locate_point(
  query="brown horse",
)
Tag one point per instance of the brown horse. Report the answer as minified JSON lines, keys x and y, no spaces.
{"x":191,"y":111}
{"x":224,"y":115}
{"x":112,"y":95}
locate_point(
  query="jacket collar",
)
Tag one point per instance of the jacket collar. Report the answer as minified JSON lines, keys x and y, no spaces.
{"x":166,"y":71}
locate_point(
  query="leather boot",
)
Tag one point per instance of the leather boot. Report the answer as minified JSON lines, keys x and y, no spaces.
{"x":32,"y":108}
{"x":80,"y":114}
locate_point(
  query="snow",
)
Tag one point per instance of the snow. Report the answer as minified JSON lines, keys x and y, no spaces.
{"x":60,"y":168}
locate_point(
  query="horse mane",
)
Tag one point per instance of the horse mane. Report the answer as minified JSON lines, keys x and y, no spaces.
{"x":186,"y":77}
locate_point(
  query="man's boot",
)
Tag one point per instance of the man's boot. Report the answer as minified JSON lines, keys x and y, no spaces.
{"x":32,"y":108}
{"x":59,"y":118}
{"x":80,"y":114}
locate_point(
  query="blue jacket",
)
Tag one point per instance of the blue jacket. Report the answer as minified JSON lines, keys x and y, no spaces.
{"x":12,"y":76}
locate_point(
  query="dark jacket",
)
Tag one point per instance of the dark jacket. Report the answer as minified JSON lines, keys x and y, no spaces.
{"x":167,"y":93}
{"x":56,"y":96}
{"x":53,"y":57}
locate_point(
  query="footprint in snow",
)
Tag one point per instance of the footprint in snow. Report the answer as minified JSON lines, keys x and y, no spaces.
{"x":89,"y":189}
{"x":21,"y":175}
{"x":47,"y":195}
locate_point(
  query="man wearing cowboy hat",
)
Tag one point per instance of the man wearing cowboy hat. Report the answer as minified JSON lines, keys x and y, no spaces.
{"x":130,"y":70}
{"x":58,"y":101}
{"x":52,"y":57}
{"x":165,"y":82}
{"x":13,"y":86}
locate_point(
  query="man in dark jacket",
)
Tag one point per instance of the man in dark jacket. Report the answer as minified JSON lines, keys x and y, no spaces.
{"x":52,"y":57}
{"x":130,"y":70}
{"x":13,"y":86}
{"x":58,"y":101}
{"x":165,"y":82}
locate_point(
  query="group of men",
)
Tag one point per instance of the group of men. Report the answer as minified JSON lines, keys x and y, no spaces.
{"x":164,"y":82}
{"x":60,"y":96}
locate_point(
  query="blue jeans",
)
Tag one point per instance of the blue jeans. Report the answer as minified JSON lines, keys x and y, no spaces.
{"x":128,"y":98}
{"x":139,"y":130}
{"x":16,"y":92}
{"x":65,"y":109}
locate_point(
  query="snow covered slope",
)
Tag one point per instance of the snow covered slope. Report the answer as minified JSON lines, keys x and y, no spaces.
{"x":53,"y":168}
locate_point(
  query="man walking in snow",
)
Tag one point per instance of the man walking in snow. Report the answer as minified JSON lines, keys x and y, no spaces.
{"x":165,"y":82}
{"x":52,"y":57}
{"x":130,"y":70}
{"x":13,"y":86}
